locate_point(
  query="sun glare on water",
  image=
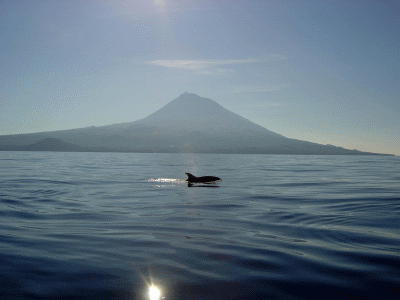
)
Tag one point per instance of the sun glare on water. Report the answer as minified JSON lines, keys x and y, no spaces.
{"x":154,"y":293}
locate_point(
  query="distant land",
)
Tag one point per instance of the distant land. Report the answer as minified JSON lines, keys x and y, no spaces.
{"x":188,"y":124}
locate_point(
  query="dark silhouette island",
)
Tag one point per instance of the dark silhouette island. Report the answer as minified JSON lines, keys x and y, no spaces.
{"x":188,"y":124}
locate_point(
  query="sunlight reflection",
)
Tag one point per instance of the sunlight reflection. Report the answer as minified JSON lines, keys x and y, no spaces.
{"x":154,"y":293}
{"x":160,"y":3}
{"x":166,"y":180}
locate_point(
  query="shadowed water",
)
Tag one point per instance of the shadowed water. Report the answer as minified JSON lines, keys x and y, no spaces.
{"x":108,"y":225}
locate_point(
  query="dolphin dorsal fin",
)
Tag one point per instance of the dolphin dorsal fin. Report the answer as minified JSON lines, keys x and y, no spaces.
{"x":190,"y":176}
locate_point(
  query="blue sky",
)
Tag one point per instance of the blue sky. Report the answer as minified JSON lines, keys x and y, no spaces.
{"x":321,"y":71}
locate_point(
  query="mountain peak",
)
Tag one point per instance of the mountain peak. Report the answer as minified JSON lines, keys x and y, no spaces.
{"x":187,"y":106}
{"x":190,"y":112}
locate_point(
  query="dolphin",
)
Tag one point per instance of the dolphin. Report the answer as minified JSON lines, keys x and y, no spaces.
{"x":203,"y":179}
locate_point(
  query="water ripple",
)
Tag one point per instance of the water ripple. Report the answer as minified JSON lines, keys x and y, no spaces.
{"x":94,"y":226}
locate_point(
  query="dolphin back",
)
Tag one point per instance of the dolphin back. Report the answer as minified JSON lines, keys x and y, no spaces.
{"x":203,"y":179}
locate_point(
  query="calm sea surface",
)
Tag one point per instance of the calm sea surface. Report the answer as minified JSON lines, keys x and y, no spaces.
{"x":109,"y":225}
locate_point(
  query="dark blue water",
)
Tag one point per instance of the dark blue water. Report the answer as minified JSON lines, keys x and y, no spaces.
{"x":109,"y":225}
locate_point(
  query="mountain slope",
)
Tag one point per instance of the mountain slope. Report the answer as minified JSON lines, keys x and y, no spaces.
{"x":51,"y":144}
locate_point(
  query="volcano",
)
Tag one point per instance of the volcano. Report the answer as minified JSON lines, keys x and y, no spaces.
{"x":188,"y":124}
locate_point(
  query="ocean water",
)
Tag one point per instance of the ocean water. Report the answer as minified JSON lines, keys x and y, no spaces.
{"x":110,"y":225}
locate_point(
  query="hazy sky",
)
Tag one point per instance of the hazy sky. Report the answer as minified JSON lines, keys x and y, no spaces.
{"x":321,"y":71}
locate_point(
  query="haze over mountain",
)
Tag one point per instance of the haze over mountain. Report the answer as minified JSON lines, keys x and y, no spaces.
{"x":187,"y":124}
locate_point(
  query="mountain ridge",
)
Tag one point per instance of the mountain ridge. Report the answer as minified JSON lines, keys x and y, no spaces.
{"x":187,"y":124}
